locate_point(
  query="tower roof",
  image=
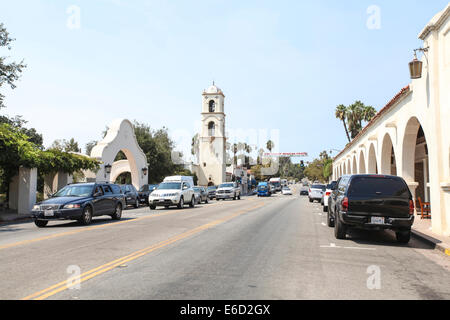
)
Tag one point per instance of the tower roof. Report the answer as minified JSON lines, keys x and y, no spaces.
{"x":213,"y":89}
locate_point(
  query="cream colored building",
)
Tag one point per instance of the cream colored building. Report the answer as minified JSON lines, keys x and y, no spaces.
{"x":212,"y":141}
{"x":410,"y":136}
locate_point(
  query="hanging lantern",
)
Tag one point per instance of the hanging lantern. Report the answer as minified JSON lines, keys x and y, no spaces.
{"x":415,"y":67}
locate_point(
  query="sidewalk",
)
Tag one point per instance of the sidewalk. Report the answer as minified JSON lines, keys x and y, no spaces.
{"x":9,"y":216}
{"x":422,"y":230}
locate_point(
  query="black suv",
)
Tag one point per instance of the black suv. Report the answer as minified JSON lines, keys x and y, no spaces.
{"x":145,"y":191}
{"x":131,"y":195}
{"x":371,"y":202}
{"x":81,"y":202}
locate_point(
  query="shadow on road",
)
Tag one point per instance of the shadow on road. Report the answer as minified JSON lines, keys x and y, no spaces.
{"x":382,"y":238}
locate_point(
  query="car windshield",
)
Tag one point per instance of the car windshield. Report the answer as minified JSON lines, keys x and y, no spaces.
{"x":212,"y":188}
{"x":169,"y":185}
{"x":376,"y":186}
{"x":144,"y":188}
{"x":331,"y":185}
{"x":75,"y":191}
{"x":286,"y":188}
{"x":197,"y":189}
{"x":226,"y":185}
{"x":318,"y":186}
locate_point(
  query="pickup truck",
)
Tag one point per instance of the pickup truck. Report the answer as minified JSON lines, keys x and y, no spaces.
{"x":229,"y":190}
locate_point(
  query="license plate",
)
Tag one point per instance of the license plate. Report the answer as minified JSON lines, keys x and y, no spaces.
{"x":49,"y":213}
{"x":377,"y":220}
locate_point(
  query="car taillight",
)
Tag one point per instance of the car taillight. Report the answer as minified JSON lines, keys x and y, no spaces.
{"x":328,"y":193}
{"x":345,"y":204}
{"x":309,"y":190}
{"x":411,"y":207}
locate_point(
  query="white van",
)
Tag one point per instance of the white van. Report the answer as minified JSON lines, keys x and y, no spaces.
{"x":173,"y":191}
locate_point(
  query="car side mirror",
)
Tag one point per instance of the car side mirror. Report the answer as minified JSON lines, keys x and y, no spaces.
{"x":185,"y":188}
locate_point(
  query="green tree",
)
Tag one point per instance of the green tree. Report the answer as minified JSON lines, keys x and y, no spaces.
{"x":9,"y":72}
{"x":16,"y":150}
{"x":89,"y":146}
{"x":353,"y":117}
{"x":341,"y":114}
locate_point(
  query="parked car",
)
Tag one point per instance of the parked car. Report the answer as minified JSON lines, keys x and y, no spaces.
{"x":201,"y":195}
{"x":145,"y":191}
{"x":212,"y":192}
{"x":286,"y":191}
{"x":131,"y":195}
{"x":81,"y":202}
{"x":304,"y":190}
{"x":371,"y":202}
{"x":326,"y":194}
{"x":229,"y":190}
{"x":263,"y":189}
{"x":315,"y":192}
{"x":174,"y":191}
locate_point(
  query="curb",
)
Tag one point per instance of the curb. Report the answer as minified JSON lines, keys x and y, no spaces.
{"x":436,"y":244}
{"x":18,"y":220}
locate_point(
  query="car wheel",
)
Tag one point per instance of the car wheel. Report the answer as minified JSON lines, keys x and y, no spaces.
{"x":117,"y":215}
{"x":192,"y":203}
{"x":234,"y":197}
{"x":41,"y":223}
{"x":239,"y":196}
{"x":136,"y":203}
{"x":403,"y":236}
{"x":181,"y":203}
{"x":311,"y":200}
{"x":340,"y":229}
{"x":207,"y":200}
{"x":325,"y":208}
{"x":86,"y":216}
{"x":152,"y":207}
{"x":330,"y":221}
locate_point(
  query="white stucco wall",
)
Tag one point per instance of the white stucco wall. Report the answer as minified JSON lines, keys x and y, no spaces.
{"x":425,"y":102}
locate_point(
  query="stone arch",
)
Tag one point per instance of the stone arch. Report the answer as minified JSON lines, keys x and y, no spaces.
{"x":121,"y":137}
{"x":415,"y":159}
{"x":372,"y":160}
{"x":349,"y":166}
{"x":388,"y":158}
{"x":362,"y":163}
{"x":354,"y":165}
{"x":119,"y":167}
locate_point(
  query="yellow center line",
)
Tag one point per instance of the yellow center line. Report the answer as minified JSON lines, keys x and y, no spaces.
{"x":62,"y":234}
{"x":61,"y":286}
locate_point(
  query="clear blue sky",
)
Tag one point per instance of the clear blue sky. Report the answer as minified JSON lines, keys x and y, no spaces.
{"x":281,"y":64}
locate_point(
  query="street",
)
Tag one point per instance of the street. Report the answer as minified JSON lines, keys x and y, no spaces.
{"x":254,"y":248}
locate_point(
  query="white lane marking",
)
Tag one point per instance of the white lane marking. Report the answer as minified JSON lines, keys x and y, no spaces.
{"x":333,"y":245}
{"x":324,"y":224}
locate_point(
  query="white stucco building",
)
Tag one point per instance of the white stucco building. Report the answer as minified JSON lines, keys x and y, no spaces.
{"x":410,"y":136}
{"x":212,"y":141}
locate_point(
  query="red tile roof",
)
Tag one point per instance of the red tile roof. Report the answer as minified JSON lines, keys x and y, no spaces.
{"x":378,"y":115}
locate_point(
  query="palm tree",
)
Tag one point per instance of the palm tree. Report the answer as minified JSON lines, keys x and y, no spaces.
{"x":341,"y":114}
{"x":270,"y":145}
{"x":235,"y":149}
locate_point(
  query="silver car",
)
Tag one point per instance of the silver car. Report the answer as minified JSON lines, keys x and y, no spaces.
{"x":316,"y":191}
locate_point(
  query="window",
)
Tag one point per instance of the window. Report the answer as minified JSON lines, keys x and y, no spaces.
{"x":211,"y":129}
{"x":107,"y":189}
{"x":375,"y":186}
{"x":115,"y":189}
{"x":98,"y":190}
{"x":212,"y":106}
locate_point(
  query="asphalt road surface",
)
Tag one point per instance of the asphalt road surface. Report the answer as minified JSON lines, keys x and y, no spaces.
{"x":254,"y":248}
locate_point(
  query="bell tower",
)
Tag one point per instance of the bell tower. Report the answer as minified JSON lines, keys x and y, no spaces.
{"x":212,"y":140}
